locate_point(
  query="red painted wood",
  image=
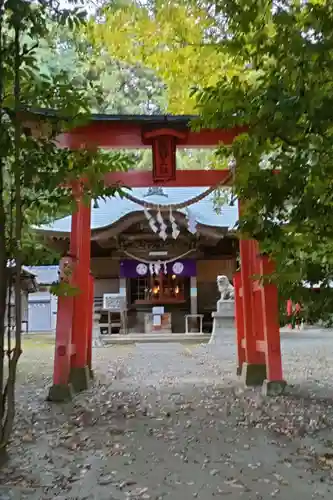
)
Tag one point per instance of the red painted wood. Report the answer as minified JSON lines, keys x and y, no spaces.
{"x":90,"y":321}
{"x":164,"y":159}
{"x":239,"y":319}
{"x":252,"y":310}
{"x":185,"y":178}
{"x":260,"y":345}
{"x":148,"y":136}
{"x":247,"y":258}
{"x":270,"y":313}
{"x":119,"y":135}
{"x":249,"y":333}
{"x":256,"y":301}
{"x":164,"y":144}
{"x":73,"y":245}
{"x":74,"y":236}
{"x":81,"y":280}
{"x":258,"y":326}
{"x":62,"y":352}
{"x":65,"y":313}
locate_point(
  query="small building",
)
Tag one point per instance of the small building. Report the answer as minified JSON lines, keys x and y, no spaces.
{"x":42,"y":307}
{"x":157,"y":247}
{"x":28,"y":286}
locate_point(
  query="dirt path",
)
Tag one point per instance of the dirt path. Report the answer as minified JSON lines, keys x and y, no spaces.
{"x":170,"y":421}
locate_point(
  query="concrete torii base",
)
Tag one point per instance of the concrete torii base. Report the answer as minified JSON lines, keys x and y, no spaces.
{"x":60,"y":393}
{"x":254,"y":375}
{"x":273,"y":388}
{"x":80,"y":380}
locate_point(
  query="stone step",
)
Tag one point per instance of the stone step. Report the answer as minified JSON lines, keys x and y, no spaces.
{"x":156,"y":338}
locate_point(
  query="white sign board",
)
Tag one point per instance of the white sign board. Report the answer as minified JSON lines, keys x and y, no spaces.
{"x":158,"y":310}
{"x":113,"y":302}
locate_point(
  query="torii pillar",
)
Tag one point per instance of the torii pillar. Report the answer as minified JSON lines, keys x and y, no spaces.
{"x":82,"y":310}
{"x":72,"y":360}
{"x":257,"y":321}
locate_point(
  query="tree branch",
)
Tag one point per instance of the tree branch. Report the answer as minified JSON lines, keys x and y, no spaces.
{"x":26,"y":52}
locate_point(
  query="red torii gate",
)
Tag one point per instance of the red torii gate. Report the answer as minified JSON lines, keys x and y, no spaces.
{"x":257,"y":318}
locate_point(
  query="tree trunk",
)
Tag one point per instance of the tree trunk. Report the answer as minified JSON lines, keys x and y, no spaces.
{"x":13,"y":355}
{"x":3,"y":296}
{"x":3,"y":456}
{"x":3,"y":255}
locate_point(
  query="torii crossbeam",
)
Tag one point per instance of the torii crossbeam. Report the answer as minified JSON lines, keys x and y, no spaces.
{"x":257,"y":318}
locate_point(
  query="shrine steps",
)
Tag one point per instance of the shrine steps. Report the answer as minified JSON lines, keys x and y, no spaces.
{"x":137,"y":338}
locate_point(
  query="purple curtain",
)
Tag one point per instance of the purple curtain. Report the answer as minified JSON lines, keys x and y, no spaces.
{"x":135,"y":268}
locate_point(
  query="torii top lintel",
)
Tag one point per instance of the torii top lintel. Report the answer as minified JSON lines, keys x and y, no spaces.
{"x":163,"y":133}
{"x":127,"y":131}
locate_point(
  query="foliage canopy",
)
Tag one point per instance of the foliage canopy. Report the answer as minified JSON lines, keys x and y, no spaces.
{"x":285,"y":161}
{"x":267,"y":66}
{"x":175,"y":39}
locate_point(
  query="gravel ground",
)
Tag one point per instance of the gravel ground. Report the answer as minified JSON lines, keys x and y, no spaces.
{"x":170,"y":421}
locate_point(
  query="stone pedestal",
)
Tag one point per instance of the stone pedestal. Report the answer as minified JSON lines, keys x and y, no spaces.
{"x":96,"y":333}
{"x":223,"y":318}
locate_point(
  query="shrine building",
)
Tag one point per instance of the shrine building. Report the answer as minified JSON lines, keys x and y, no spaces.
{"x":157,"y":247}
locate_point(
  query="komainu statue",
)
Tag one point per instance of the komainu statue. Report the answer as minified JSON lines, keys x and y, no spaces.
{"x":225,"y":288}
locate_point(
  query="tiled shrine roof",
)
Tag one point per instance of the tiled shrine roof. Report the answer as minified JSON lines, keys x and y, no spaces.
{"x":115,"y":208}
